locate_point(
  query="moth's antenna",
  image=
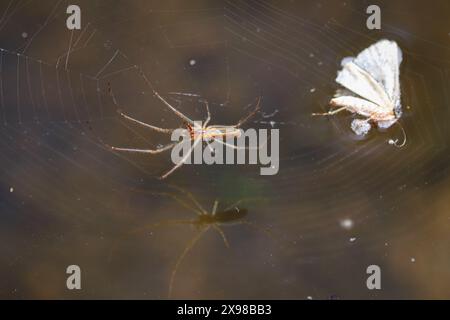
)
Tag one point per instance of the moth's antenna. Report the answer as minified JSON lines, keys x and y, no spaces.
{"x":395,"y":142}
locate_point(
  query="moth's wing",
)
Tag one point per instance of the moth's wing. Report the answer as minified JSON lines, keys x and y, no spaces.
{"x":354,"y":104}
{"x":386,"y":124}
{"x":343,"y":92}
{"x":346,"y":60}
{"x":382,"y":61}
{"x":360,"y":82}
{"x":360,"y":127}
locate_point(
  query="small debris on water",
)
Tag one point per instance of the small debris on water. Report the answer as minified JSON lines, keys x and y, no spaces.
{"x":347,"y":223}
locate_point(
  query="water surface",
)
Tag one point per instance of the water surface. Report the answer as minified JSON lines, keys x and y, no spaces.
{"x":66,"y":199}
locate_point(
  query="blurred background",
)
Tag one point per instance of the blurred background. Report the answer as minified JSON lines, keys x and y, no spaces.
{"x":337,"y":205}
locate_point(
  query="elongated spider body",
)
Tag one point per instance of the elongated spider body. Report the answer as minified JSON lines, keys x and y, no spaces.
{"x":228,"y":216}
{"x":211,"y":133}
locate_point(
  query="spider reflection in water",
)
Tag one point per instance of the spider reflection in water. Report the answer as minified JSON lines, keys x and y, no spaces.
{"x":204,"y":221}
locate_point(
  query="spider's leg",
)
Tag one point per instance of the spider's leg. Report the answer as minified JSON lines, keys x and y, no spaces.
{"x":250,"y":115}
{"x":222,"y":234}
{"x":330,"y":113}
{"x":208,"y":117}
{"x":237,"y":203}
{"x":214,"y":209}
{"x":145,"y":124}
{"x":200,"y":210}
{"x":164,"y":223}
{"x":152,"y":151}
{"x":183,"y":254}
{"x":113,"y":97}
{"x":257,"y":228}
{"x":183,"y":160}
{"x":167,"y":104}
{"x":185,"y":94}
{"x":120,"y":238}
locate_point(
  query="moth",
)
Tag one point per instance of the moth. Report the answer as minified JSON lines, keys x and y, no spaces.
{"x":371,"y":88}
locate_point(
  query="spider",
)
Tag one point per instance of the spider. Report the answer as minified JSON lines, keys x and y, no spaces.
{"x":197,"y":133}
{"x":205,"y":220}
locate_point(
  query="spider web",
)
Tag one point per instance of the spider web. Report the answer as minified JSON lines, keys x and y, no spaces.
{"x":59,"y":180}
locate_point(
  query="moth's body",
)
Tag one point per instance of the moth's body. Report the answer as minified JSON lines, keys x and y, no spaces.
{"x":371,"y":111}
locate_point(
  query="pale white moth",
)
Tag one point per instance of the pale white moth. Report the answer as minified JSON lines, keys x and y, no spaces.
{"x":371,"y":82}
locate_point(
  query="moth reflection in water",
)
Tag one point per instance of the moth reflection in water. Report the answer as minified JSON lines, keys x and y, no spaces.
{"x":205,"y":220}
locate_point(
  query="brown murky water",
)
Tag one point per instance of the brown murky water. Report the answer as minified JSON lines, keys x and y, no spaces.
{"x":66,"y":199}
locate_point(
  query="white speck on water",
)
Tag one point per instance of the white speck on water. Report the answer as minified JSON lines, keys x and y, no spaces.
{"x":192,"y":62}
{"x":347,"y":223}
{"x":11,"y":189}
{"x":311,"y":55}
{"x":352,"y":239}
{"x":312,"y":90}
{"x":413,"y":260}
{"x":24,"y":35}
{"x":392,"y":141}
{"x":309,"y":297}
